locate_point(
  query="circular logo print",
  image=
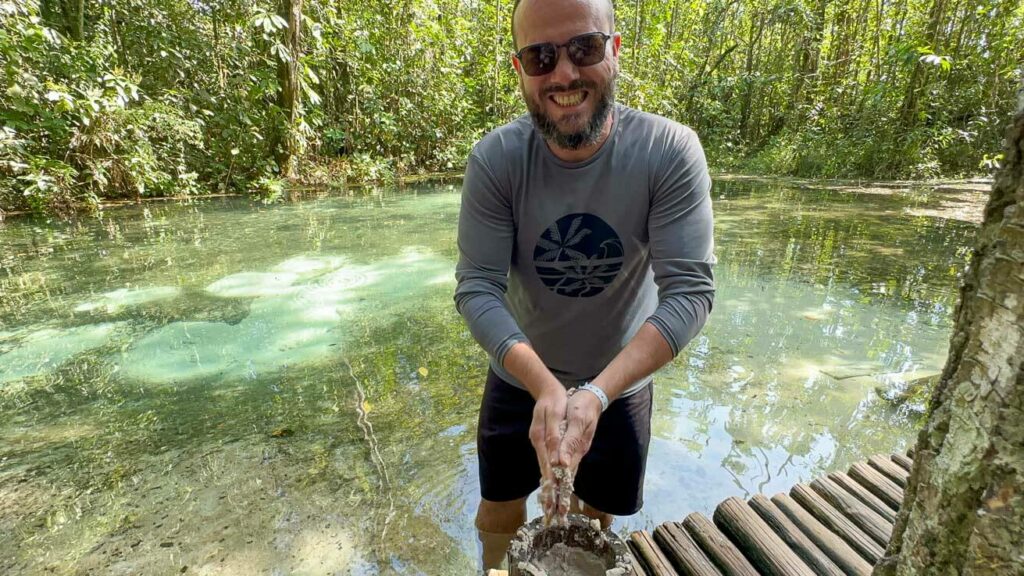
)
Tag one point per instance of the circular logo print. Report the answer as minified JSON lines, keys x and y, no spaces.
{"x":578,"y":256}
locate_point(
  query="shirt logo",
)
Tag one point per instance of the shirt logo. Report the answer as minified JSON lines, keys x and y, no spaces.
{"x":578,"y":256}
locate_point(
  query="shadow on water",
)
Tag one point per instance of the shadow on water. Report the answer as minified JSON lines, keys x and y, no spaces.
{"x":230,"y":388}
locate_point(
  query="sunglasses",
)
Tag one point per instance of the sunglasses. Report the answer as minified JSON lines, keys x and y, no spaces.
{"x":583,"y":50}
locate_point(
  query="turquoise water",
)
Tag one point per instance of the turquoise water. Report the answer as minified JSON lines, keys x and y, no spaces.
{"x":223,"y":387}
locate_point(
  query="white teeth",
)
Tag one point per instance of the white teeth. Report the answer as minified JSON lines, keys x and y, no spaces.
{"x":568,"y":99}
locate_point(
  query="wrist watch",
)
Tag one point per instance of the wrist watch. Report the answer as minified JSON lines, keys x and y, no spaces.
{"x":596,"y":391}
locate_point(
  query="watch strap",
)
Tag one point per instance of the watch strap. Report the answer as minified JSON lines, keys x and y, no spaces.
{"x":596,"y":391}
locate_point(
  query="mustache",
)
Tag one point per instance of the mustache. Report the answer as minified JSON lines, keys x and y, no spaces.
{"x":578,"y":84}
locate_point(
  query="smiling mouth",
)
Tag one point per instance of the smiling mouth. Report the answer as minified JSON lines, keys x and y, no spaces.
{"x":569,"y":99}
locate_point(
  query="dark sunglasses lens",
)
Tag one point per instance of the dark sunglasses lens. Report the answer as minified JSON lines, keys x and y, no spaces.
{"x":539,"y":60}
{"x":587,"y":50}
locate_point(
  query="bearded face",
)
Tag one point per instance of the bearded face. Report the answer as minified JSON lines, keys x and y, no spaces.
{"x":569,"y":100}
{"x":571,"y":116}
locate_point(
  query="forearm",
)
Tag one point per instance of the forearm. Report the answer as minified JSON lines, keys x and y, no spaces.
{"x":488,"y":318}
{"x":642,"y":356}
{"x":522,"y":362}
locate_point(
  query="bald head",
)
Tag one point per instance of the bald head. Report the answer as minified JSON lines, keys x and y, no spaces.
{"x":603,"y":7}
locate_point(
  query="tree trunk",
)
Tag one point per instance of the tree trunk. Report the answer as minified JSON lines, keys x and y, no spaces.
{"x":918,"y":78}
{"x":805,"y":63}
{"x":67,"y":16}
{"x":74,"y":19}
{"x":290,"y":95}
{"x":963,"y":512}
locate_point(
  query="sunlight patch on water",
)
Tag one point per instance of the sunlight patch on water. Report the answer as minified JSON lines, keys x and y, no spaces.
{"x":43,"y":350}
{"x":322,"y":551}
{"x":291,"y":322}
{"x":112,"y":302}
{"x":253,"y":284}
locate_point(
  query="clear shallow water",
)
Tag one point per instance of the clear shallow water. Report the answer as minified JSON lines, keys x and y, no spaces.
{"x":238,"y":389}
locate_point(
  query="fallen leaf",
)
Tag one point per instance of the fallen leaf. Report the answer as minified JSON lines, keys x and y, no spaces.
{"x":423,"y":371}
{"x":282,"y":432}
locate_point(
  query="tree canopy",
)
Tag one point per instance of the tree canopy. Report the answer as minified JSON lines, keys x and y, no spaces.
{"x":155,"y":97}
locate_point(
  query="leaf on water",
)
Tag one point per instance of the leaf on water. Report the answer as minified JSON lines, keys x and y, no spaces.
{"x":282,"y":432}
{"x":423,"y":371}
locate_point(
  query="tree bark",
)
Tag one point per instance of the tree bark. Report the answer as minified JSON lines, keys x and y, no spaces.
{"x":74,"y":19}
{"x":918,"y":78}
{"x":805,"y":63}
{"x":290,"y":96}
{"x":963,"y":512}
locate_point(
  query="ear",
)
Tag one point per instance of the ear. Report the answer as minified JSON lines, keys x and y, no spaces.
{"x":616,"y":44}
{"x":516,"y":64}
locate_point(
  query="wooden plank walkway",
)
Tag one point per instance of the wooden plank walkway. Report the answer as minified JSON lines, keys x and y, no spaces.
{"x":835,"y":525}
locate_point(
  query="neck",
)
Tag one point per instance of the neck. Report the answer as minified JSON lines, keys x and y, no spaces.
{"x":581,"y":154}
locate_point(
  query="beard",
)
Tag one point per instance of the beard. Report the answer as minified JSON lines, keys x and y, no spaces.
{"x":584,"y":137}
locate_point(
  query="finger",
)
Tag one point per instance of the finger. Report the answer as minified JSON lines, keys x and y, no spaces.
{"x":556,"y":427}
{"x":538,"y":437}
{"x":537,"y":430}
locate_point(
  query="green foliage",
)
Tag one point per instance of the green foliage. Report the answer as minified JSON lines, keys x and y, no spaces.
{"x":143,"y":151}
{"x":77,"y":129}
{"x":158,"y":97}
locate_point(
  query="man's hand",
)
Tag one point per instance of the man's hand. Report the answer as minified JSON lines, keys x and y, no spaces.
{"x":582,"y":413}
{"x":546,"y":435}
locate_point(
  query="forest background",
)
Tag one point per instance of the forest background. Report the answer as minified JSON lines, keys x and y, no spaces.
{"x":109,"y":99}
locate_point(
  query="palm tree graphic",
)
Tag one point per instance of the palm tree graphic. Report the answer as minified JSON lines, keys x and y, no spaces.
{"x":564,"y":265}
{"x":556,"y":246}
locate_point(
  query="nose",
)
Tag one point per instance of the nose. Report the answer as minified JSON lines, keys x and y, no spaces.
{"x":565,"y":71}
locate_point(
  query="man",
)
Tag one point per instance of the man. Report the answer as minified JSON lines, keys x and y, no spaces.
{"x":585,"y":240}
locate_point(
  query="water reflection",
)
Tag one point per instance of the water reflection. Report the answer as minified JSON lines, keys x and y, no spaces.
{"x":233,"y":388}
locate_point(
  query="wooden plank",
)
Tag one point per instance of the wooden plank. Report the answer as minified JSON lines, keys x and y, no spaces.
{"x":866,"y":519}
{"x":817,"y":560}
{"x":903,"y":462}
{"x":829,"y":542}
{"x":636,"y":563}
{"x":650,"y":557}
{"x":757,"y":541}
{"x":829,"y":516}
{"x":862,"y":494}
{"x":877,"y":484}
{"x":889,"y":468}
{"x":685,"y":555}
{"x":891,"y":471}
{"x":717,"y":546}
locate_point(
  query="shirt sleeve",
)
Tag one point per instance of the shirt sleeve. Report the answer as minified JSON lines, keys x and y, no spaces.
{"x":681,"y":226}
{"x":485,"y":239}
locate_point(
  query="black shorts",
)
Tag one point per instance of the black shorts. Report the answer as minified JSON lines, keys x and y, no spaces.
{"x":611,"y":475}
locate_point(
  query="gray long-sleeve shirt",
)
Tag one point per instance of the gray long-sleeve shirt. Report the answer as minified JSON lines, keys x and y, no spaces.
{"x":574,"y":257}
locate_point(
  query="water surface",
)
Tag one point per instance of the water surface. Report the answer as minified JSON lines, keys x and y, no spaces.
{"x":223,"y":387}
